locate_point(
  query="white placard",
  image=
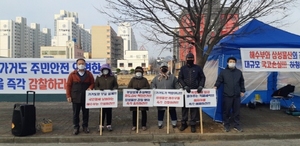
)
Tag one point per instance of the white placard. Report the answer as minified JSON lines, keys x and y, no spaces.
{"x":207,"y":98}
{"x":137,"y":98}
{"x":44,"y":76}
{"x":270,"y":59}
{"x":168,"y":97}
{"x":101,"y":99}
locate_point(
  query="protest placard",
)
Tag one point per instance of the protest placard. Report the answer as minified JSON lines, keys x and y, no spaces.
{"x":137,"y":98}
{"x":207,"y":98}
{"x":101,"y":99}
{"x":168,"y":97}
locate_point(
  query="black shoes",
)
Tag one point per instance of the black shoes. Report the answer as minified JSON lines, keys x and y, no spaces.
{"x":76,"y":131}
{"x":86,"y":130}
{"x":183,"y":127}
{"x":193,"y":128}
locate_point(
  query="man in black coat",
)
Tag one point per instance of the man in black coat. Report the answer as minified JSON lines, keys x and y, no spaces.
{"x":191,"y":76}
{"x":234,"y":88}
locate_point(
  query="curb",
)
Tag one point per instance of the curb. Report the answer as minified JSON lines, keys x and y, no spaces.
{"x":149,"y":138}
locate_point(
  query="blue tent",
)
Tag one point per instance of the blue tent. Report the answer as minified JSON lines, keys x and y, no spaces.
{"x":254,"y":34}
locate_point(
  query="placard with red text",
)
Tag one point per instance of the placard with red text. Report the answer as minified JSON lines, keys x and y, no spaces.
{"x":168,"y":97}
{"x":137,"y":98}
{"x":207,"y":98}
{"x":101,"y":99}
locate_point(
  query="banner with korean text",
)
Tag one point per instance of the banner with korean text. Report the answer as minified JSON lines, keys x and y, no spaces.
{"x":137,"y":98}
{"x":101,"y":99}
{"x":168,"y":97}
{"x":45,"y":76}
{"x":270,"y":59}
{"x":207,"y":98}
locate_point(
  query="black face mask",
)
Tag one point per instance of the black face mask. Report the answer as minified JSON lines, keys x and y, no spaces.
{"x":164,"y":70}
{"x":190,"y":62}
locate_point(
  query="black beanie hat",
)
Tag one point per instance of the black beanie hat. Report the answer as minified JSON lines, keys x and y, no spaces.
{"x":231,"y":58}
{"x":139,"y":69}
{"x":190,"y":55}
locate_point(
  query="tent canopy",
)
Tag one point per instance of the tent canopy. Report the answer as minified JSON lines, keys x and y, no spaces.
{"x":255,"y":34}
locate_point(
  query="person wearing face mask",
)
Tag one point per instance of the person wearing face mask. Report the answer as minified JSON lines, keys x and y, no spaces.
{"x":191,"y":76}
{"x":139,"y":82}
{"x":165,"y":80}
{"x":78,"y":82}
{"x":234,"y":88}
{"x":106,"y":81}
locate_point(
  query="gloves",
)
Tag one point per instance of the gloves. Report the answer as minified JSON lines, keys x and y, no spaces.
{"x":199,"y":89}
{"x":188,"y":89}
{"x":112,"y":89}
{"x":138,"y":88}
{"x":101,"y":89}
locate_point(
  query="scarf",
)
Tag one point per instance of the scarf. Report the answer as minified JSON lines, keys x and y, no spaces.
{"x":163,"y":75}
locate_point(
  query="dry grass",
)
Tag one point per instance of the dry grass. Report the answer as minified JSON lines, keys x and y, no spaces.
{"x":123,"y":80}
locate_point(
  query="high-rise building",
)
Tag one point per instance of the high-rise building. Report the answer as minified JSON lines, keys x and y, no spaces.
{"x":67,"y":28}
{"x":106,"y":44}
{"x":17,"y":40}
{"x":126,"y":32}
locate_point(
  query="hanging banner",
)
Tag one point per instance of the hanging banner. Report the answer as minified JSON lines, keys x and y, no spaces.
{"x":207,"y":98}
{"x":44,"y":76}
{"x":101,"y":99}
{"x":137,"y":98}
{"x":168,"y":97}
{"x":270,"y":59}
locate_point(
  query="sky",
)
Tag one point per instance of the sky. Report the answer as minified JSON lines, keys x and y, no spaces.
{"x":42,"y":12}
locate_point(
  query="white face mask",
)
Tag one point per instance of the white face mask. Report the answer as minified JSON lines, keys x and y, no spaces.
{"x":81,"y":67}
{"x":105,"y":71}
{"x":138,"y":74}
{"x":231,"y":65}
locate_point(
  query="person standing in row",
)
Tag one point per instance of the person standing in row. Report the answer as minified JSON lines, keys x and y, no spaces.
{"x":78,"y":82}
{"x":234,"y":88}
{"x":106,"y":80}
{"x":139,"y":82}
{"x":165,"y":80}
{"x":191,"y":76}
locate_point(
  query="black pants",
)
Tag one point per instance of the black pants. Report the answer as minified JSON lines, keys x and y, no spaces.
{"x":144,"y":118}
{"x":108,"y":113}
{"x":231,"y":103}
{"x":76,"y":112}
{"x":161,"y":114}
{"x":193,"y":114}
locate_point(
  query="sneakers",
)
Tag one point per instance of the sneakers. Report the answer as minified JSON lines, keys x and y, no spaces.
{"x":76,"y":131}
{"x":183,"y":127}
{"x":238,"y":129}
{"x":174,"y":126}
{"x":109,"y":127}
{"x":226,"y":129}
{"x":133,"y":128}
{"x":144,"y":128}
{"x":86,"y":130}
{"x":159,"y":126}
{"x":193,"y":128}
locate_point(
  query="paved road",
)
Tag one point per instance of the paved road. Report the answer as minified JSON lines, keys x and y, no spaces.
{"x":268,"y":142}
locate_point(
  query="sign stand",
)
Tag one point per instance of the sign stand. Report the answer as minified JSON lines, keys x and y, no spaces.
{"x":100,"y":126}
{"x":201,"y":120}
{"x":137,"y":119}
{"x":168,"y":120}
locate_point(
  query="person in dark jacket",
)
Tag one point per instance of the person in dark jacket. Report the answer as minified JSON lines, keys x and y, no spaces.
{"x":106,"y":81}
{"x":191,"y":76}
{"x":165,"y":80}
{"x":234,"y":88}
{"x":139,"y":82}
{"x":78,"y":82}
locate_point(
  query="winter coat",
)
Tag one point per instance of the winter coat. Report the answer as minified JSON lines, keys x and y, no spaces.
{"x":76,"y":86}
{"x":191,"y":76}
{"x":233,"y":82}
{"x":170,"y":83}
{"x":138,"y":83}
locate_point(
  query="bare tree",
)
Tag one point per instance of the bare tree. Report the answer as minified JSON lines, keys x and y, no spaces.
{"x":202,"y":21}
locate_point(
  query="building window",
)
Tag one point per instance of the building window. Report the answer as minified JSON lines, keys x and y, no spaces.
{"x":61,"y":52}
{"x":45,"y":52}
{"x":129,"y":64}
{"x":121,"y":64}
{"x":108,"y":53}
{"x":143,"y":64}
{"x":53,"y":52}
